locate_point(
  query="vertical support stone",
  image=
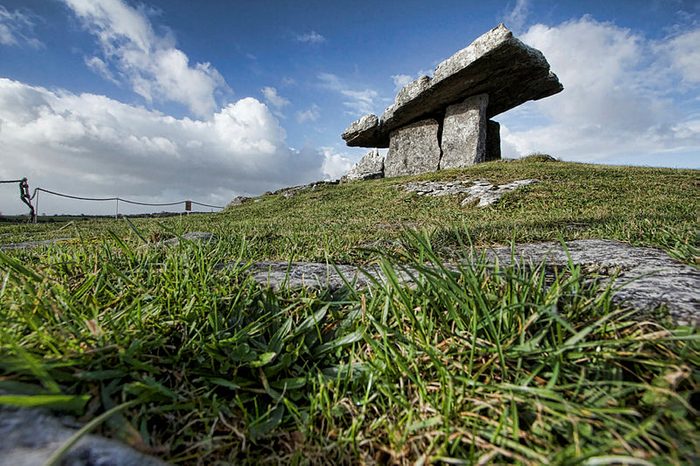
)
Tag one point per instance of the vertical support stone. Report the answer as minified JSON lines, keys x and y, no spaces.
{"x":464,"y":133}
{"x":493,"y":141}
{"x":413,"y":149}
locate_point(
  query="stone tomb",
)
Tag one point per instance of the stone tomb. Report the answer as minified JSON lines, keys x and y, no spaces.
{"x":443,"y":122}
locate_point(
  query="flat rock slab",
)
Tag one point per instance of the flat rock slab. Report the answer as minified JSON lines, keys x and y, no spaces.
{"x":480,"y":192}
{"x":28,"y":437}
{"x":31,"y":244}
{"x":497,"y":64}
{"x":414,"y":149}
{"x":647,"y":278}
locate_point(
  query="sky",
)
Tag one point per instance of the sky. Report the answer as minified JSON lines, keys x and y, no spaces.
{"x":162,"y":100}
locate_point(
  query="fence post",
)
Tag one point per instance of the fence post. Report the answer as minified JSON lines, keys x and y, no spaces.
{"x":36,"y":207}
{"x":116,"y":214}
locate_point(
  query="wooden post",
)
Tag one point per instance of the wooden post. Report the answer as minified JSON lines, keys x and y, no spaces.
{"x":188,"y":206}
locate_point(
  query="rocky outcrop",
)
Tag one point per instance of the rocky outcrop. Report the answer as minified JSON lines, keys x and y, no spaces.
{"x":414,"y":149}
{"x":497,"y":66}
{"x":646,"y":278}
{"x":464,"y":133}
{"x":481,"y":193}
{"x":28,"y":437}
{"x":369,"y":167}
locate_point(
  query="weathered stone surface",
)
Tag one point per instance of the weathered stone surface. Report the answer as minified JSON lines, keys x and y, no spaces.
{"x":496,"y":64}
{"x":464,"y":133}
{"x":493,"y":141}
{"x":32,"y":244}
{"x":361,"y":132}
{"x":370,"y":166}
{"x":414,"y":149}
{"x":487,"y":194}
{"x":203,"y":236}
{"x":648,"y":278}
{"x":481,"y":192}
{"x":28,"y":437}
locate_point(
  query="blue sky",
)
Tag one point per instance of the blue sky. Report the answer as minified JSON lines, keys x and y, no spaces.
{"x":160,"y":100}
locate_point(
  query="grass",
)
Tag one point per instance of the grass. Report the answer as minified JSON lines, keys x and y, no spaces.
{"x":512,"y":364}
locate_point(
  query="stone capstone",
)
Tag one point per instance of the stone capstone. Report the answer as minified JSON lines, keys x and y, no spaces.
{"x":28,"y":437}
{"x":363,"y":131}
{"x":414,"y":149}
{"x":464,"y":133}
{"x":646,"y":278}
{"x":496,"y":64}
{"x":370,"y":166}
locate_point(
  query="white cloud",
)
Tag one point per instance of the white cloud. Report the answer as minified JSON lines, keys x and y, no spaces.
{"x":335,"y":165}
{"x":17,"y":28}
{"x":683,"y":53}
{"x":617,"y":100}
{"x":516,"y":17}
{"x":312,"y":113}
{"x":359,"y":101}
{"x":153,"y":66}
{"x":273,"y":98}
{"x":311,"y":37}
{"x":93,"y":145}
{"x":401,"y":80}
{"x":98,"y":66}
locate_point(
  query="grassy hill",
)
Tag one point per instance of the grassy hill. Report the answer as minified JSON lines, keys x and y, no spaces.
{"x":483,"y":365}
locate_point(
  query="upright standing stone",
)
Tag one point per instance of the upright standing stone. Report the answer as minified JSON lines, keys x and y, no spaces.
{"x":413,"y":149}
{"x":464,"y":133}
{"x":493,"y":141}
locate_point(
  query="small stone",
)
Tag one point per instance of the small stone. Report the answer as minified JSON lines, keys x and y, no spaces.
{"x":414,"y":149}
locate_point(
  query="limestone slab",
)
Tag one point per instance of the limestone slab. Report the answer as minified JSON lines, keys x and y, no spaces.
{"x":414,"y":149}
{"x":464,"y":133}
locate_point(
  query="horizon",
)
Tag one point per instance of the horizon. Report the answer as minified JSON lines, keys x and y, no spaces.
{"x":159,"y":101}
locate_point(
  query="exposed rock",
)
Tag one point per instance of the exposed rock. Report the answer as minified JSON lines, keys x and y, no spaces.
{"x":493,"y":141}
{"x":464,"y":133}
{"x":361,"y":132}
{"x":438,"y":188}
{"x":648,"y":278}
{"x":294,"y":190}
{"x":369,"y":167}
{"x":28,"y":437}
{"x":480,"y":191}
{"x":31,"y":244}
{"x":487,"y":194}
{"x":203,"y":236}
{"x":496,"y":64}
{"x":238,"y":200}
{"x":414,"y":149}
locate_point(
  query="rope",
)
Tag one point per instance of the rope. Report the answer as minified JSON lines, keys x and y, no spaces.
{"x":10,"y":181}
{"x":127,"y":201}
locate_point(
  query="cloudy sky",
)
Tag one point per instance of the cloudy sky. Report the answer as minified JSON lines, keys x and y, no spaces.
{"x":161,"y":100}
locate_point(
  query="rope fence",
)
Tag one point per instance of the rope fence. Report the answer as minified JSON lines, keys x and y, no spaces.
{"x":34,"y":208}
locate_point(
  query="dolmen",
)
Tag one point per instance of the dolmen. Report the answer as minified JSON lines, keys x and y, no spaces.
{"x":444,"y":121}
